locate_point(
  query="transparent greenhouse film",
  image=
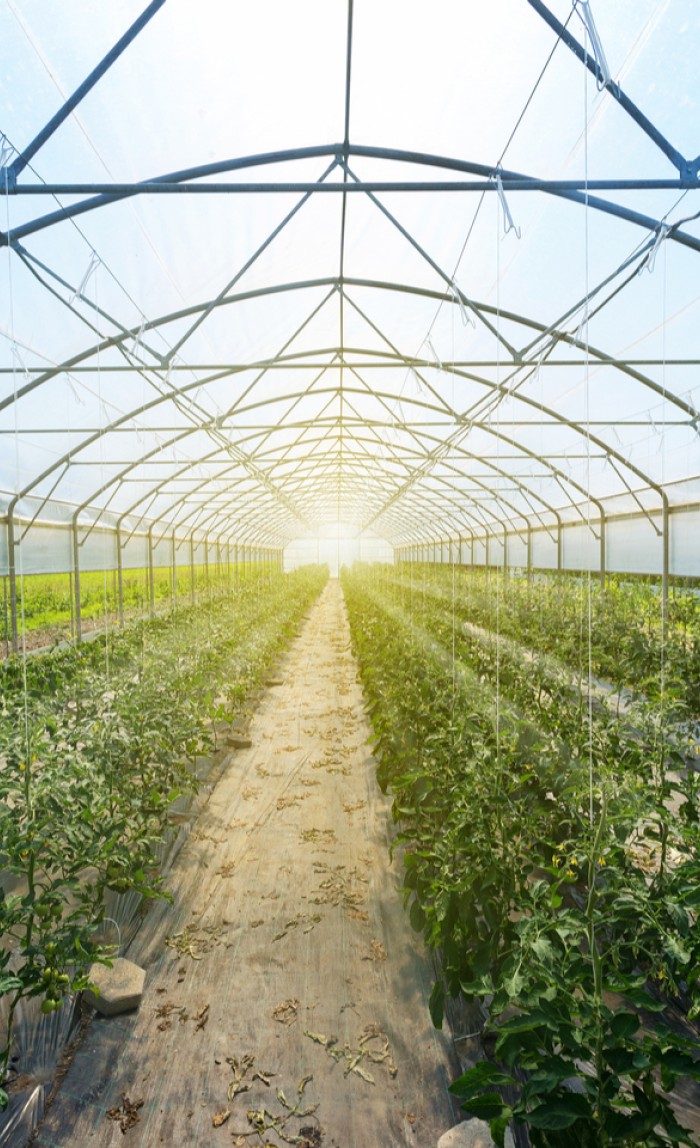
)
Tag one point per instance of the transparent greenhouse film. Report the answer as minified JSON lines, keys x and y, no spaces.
{"x":38,"y":1043}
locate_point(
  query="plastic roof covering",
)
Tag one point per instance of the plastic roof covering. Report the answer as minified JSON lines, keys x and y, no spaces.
{"x":269,"y":360}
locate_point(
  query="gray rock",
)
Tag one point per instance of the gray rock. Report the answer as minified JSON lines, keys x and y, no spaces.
{"x":120,"y":988}
{"x":470,"y":1134}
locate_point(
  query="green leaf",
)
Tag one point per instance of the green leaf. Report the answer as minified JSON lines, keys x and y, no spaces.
{"x":624,"y":1060}
{"x":417,"y":916}
{"x":624,"y":1024}
{"x":499,"y":1127}
{"x":560,"y":1112}
{"x":485,"y":1074}
{"x":489,"y":1106}
{"x":436,"y":1004}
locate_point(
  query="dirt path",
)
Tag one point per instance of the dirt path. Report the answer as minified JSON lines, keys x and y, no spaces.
{"x":294,"y":956}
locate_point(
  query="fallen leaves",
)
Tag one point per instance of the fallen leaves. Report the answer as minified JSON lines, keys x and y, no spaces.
{"x":286,"y":1012}
{"x":377,"y":952}
{"x":353,"y":1058}
{"x":126,"y":1114}
{"x":194,"y":941}
{"x":318,"y":836}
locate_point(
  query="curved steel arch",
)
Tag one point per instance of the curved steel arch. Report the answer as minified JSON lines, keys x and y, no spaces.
{"x":342,"y":152}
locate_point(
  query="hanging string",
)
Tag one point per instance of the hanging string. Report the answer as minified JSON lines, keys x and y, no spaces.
{"x":498,"y":450}
{"x":19,"y":553}
{"x":103,"y":415}
{"x":586,"y":370}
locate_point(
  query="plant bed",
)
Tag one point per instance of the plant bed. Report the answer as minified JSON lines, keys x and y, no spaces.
{"x":520,"y":872}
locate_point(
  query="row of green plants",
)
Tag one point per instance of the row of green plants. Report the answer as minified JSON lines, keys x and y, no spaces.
{"x":47,"y":600}
{"x":634,"y":641}
{"x":97,"y":741}
{"x":551,"y":860}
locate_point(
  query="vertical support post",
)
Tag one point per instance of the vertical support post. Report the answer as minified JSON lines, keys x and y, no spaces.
{"x":505,"y":553}
{"x":193,"y":595}
{"x":529,"y":551}
{"x":120,"y":576}
{"x":12,"y":571}
{"x":76,"y":583}
{"x":151,"y":574}
{"x":206,"y":565}
{"x":174,"y":557}
{"x":665,"y":561}
{"x":560,"y":547}
{"x":603,"y":558}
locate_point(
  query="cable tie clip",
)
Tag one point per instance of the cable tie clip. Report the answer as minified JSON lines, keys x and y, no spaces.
{"x":19,"y":360}
{"x":603,"y":78}
{"x":508,"y":223}
{"x":91,"y":268}
{"x":76,"y":393}
{"x":468,"y":319}
{"x":6,"y":150}
{"x":434,"y":352}
{"x":138,"y":338}
{"x":661,"y":234}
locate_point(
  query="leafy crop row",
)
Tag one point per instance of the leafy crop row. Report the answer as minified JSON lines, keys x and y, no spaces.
{"x":96,"y":743}
{"x":629,"y":643}
{"x":551,"y":858}
{"x":46,"y":600}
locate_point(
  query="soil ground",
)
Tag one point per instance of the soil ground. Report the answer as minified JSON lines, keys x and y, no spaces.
{"x":285,"y":973}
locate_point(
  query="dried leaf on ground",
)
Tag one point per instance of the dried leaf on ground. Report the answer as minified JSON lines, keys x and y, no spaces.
{"x":286,"y":1012}
{"x":127,"y":1113}
{"x":221,"y":1117}
{"x":325,"y":836}
{"x":201,"y":1018}
{"x":377,"y":952}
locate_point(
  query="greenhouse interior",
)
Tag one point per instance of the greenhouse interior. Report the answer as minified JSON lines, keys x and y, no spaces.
{"x":350,"y":558}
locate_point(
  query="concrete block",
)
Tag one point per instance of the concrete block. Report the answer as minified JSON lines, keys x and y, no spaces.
{"x":120,"y":988}
{"x":471,"y":1134}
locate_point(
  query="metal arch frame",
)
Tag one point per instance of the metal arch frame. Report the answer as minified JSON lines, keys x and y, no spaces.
{"x":185,"y":180}
{"x":513,"y":181}
{"x":196,"y":428}
{"x":334,"y":283}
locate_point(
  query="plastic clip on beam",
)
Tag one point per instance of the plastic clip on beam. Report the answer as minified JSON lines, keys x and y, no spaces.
{"x":583,"y":8}
{"x":91,"y":268}
{"x":508,"y":222}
